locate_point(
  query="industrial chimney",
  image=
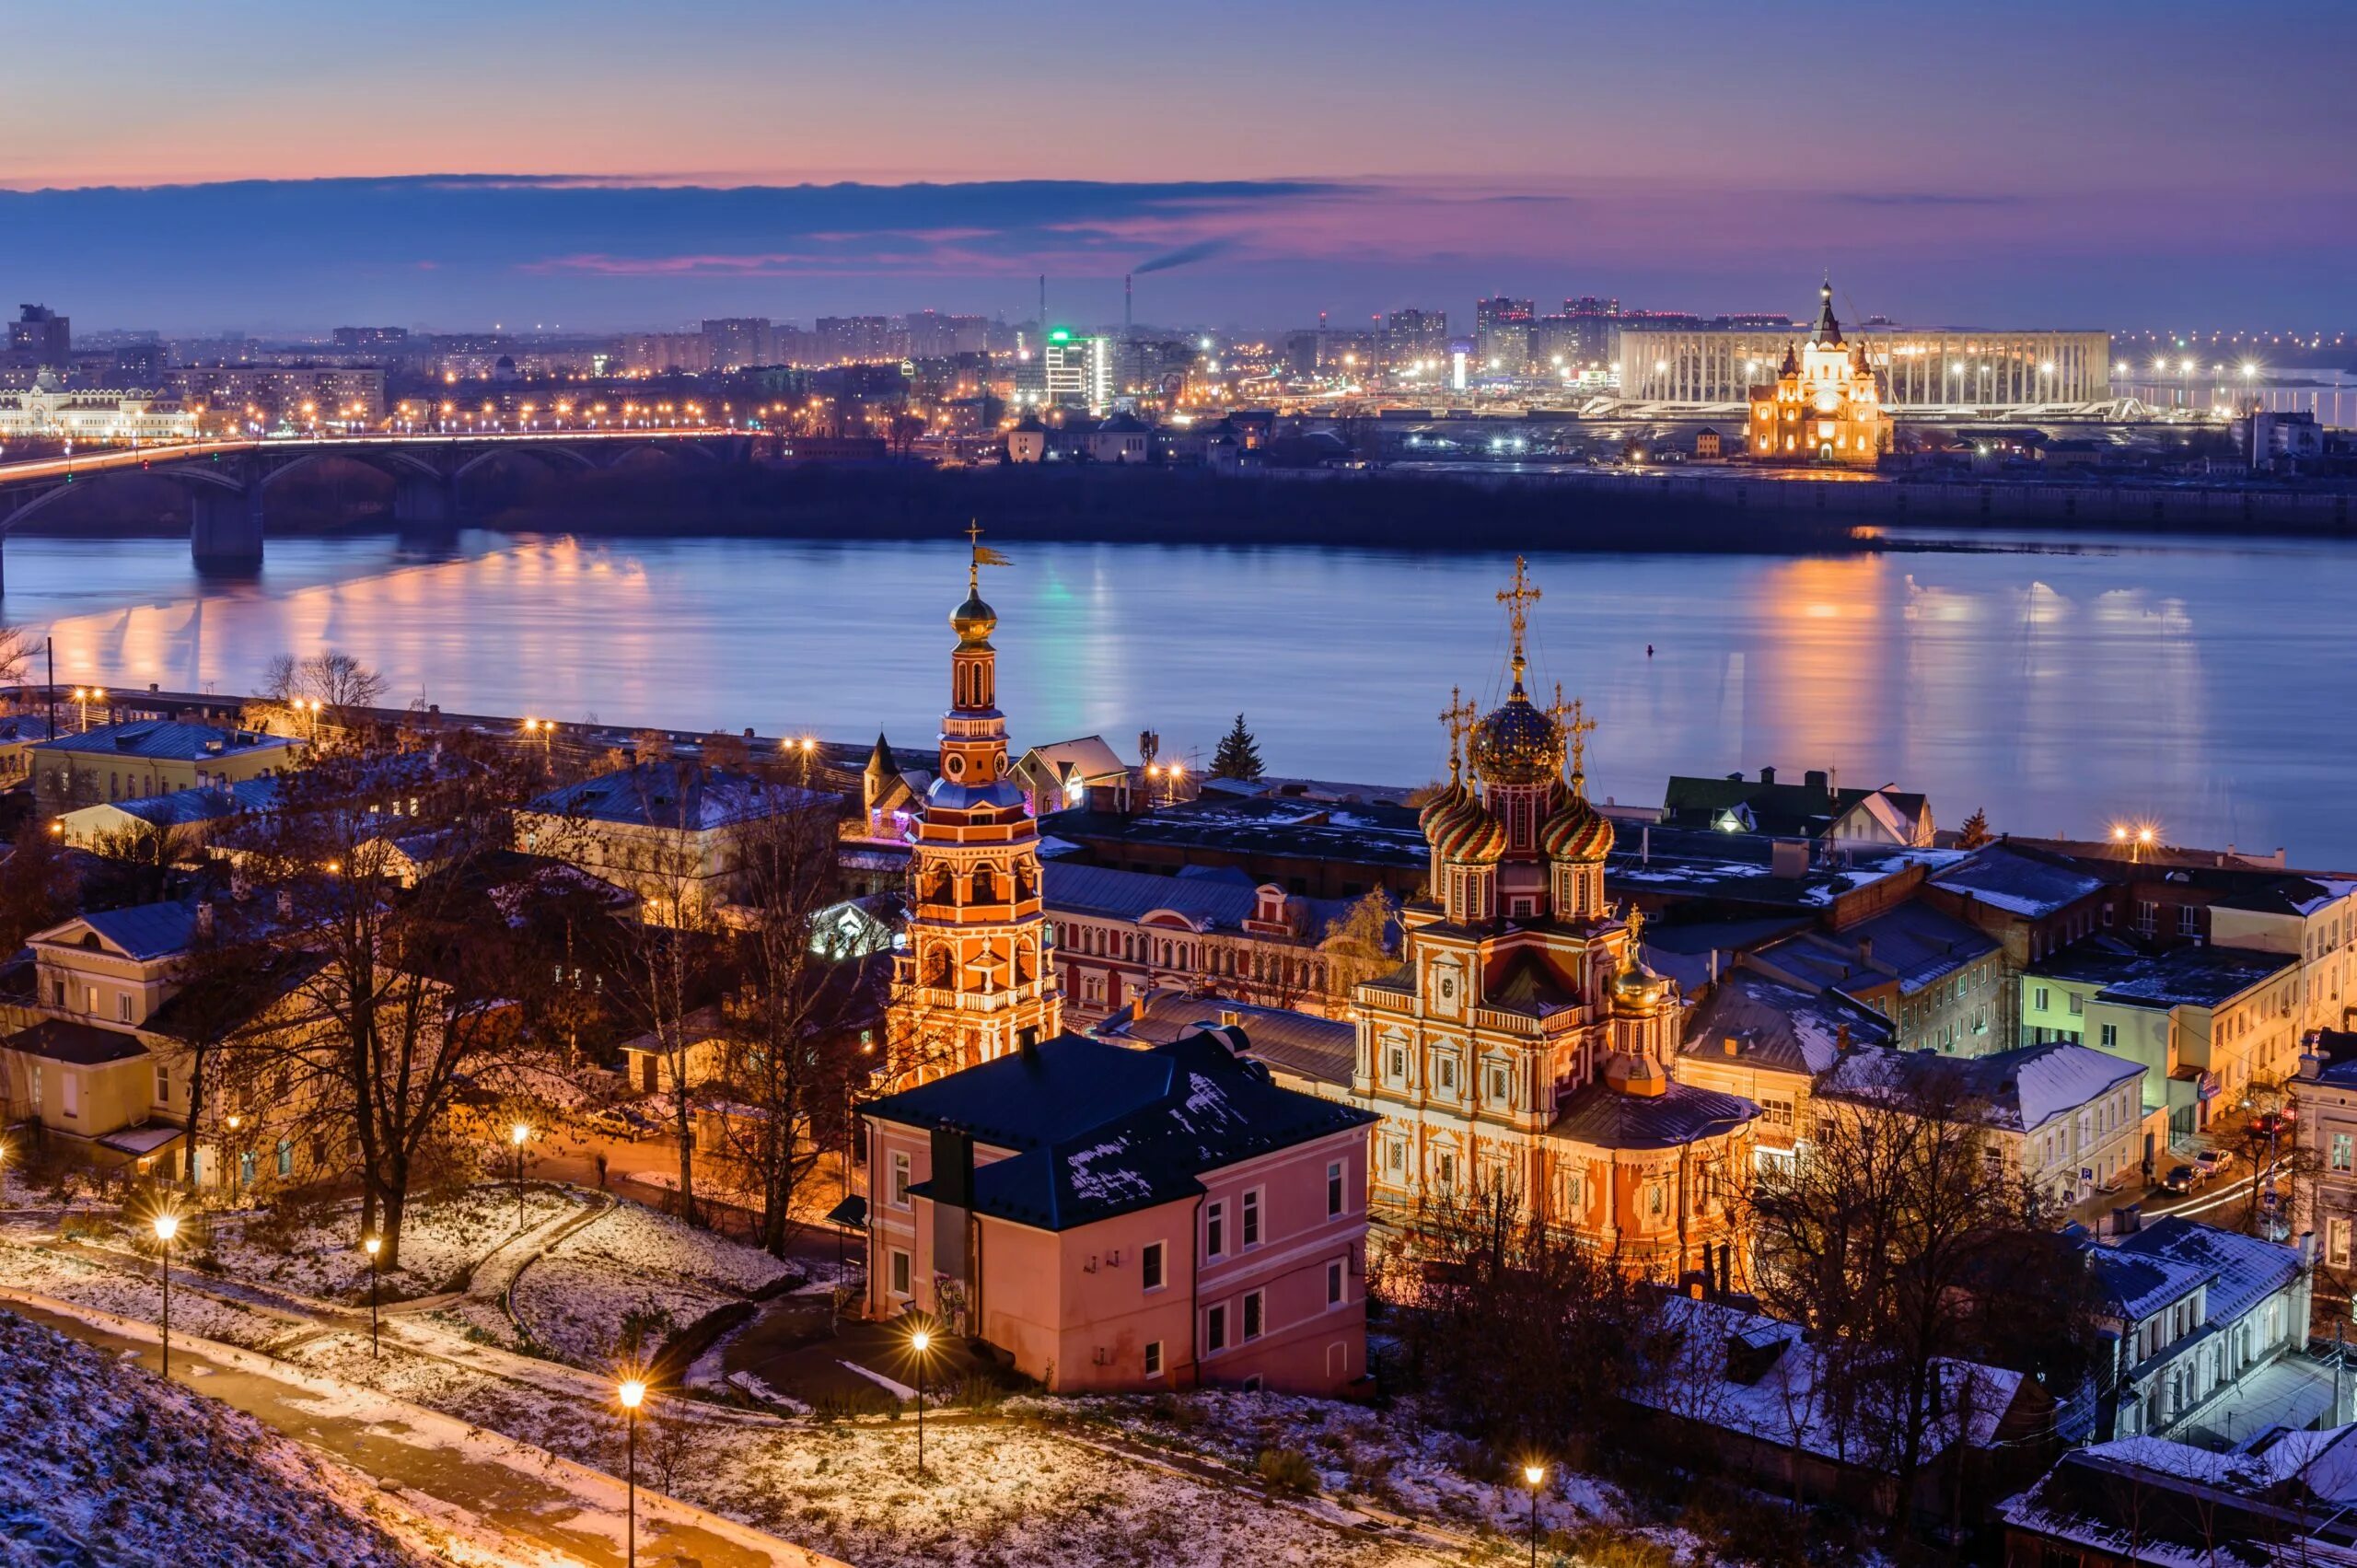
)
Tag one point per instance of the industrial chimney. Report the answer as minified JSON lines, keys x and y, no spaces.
{"x":1129,"y":321}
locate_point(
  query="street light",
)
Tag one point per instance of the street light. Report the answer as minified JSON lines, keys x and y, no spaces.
{"x":166,"y":1223}
{"x":516,"y":1135}
{"x":919,"y":1345}
{"x":632,"y":1391}
{"x":372,"y":1246}
{"x":1534,"y":1476}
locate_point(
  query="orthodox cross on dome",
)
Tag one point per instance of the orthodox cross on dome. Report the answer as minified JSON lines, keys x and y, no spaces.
{"x":1636,"y":929}
{"x":984,"y":556}
{"x":1519,"y":598}
{"x":1573,"y":716}
{"x":1458,"y":716}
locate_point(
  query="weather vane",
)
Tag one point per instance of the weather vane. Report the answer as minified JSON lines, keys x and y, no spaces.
{"x":984,"y":556}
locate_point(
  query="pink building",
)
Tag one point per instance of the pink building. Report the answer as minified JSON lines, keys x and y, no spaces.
{"x":1124,"y":1220}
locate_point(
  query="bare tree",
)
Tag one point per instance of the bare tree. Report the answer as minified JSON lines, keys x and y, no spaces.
{"x":405,"y":997}
{"x":333,"y":679}
{"x":39,"y":887}
{"x":1900,"y":1237}
{"x":1358,"y":945}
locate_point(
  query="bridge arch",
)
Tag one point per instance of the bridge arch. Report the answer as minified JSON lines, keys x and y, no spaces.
{"x":547,"y":455}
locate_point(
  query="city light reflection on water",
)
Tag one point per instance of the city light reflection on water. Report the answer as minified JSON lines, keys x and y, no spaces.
{"x":2201,"y":684}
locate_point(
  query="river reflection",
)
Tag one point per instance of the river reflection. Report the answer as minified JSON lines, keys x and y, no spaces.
{"x":2201,"y":684}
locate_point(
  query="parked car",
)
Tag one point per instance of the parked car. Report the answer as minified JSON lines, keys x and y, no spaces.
{"x":2183,"y":1178}
{"x":2215,"y":1161}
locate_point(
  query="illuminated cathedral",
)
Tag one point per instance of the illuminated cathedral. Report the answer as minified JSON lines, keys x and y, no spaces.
{"x":1826,"y":404}
{"x":1525,"y":1048}
{"x":976,"y":981}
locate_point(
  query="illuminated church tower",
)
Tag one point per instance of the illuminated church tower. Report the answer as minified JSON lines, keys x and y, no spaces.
{"x":1826,"y":404}
{"x":1523,"y":1047}
{"x":976,"y":981}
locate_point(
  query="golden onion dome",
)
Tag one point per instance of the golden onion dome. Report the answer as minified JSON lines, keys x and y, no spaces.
{"x":1516,"y":744}
{"x":1467,"y":834}
{"x":1637,"y":989}
{"x":973,"y":621}
{"x":1577,"y":830}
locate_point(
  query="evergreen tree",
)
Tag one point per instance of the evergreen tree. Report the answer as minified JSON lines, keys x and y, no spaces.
{"x":1238,"y":756}
{"x":1975,"y":831}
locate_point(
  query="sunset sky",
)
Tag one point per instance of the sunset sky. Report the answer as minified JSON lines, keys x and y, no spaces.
{"x":269,"y":165}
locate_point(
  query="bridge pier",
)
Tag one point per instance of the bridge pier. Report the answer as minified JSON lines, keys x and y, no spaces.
{"x":224,"y":530}
{"x":424,"y":502}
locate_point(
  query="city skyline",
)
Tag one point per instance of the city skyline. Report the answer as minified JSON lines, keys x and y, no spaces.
{"x":2030,"y":168}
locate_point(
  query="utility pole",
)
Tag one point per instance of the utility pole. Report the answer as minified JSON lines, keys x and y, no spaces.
{"x":50,"y":645}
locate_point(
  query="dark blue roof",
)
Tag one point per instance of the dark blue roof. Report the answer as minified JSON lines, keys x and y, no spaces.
{"x":165,"y":741}
{"x":2243,"y":1269}
{"x":146,"y":931}
{"x":1606,"y":1118}
{"x":1100,"y":1130}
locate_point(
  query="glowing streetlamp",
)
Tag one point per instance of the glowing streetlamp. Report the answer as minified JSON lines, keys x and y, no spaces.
{"x":167,"y":1223}
{"x":1534,"y":1476}
{"x":920,"y":1348}
{"x":516,"y":1135}
{"x":630,"y":1392}
{"x":372,"y":1246}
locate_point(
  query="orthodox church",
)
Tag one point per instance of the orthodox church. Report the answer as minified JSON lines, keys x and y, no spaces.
{"x":975,"y":981}
{"x":1525,"y":1047}
{"x":1825,"y":405}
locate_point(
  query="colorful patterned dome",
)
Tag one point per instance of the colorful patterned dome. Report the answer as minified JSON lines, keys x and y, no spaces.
{"x":1577,"y":830}
{"x":1467,"y":834}
{"x":1516,"y":744}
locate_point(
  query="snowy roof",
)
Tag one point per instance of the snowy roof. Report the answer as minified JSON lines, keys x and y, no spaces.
{"x":1100,"y":1129}
{"x":1209,"y":904}
{"x":1603,"y":1117}
{"x":1777,"y":1026}
{"x":2172,"y":1505}
{"x":144,"y":931}
{"x":1749,"y":1373}
{"x":1088,"y":755}
{"x":166,"y":740}
{"x":2244,"y":1269}
{"x":1301,"y":1044}
{"x":2198,"y":976}
{"x":2017,"y":881}
{"x":1913,"y":945}
{"x":676,"y":795}
{"x":2018,"y":1090}
{"x":2302,"y":896}
{"x":204,"y":803}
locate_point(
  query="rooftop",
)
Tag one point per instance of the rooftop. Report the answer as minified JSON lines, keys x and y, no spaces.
{"x":1364,"y":834}
{"x":1100,"y":1130}
{"x":167,"y":740}
{"x":1208,"y":902}
{"x":144,"y":932}
{"x":78,"y":1044}
{"x":2017,"y":881}
{"x":2243,"y":1269}
{"x":1602,"y":1117}
{"x":1776,"y":1025}
{"x":1300,"y":1044}
{"x":2197,"y":976}
{"x":676,"y":795}
{"x":1914,"y":945}
{"x":2018,"y":1090}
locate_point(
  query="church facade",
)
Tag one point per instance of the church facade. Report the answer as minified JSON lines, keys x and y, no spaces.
{"x":976,"y":981}
{"x":1826,"y":404}
{"x":1524,"y":1048}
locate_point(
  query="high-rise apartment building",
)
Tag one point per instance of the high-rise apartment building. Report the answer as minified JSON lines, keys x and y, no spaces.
{"x":1410,"y":337}
{"x":859,"y":340}
{"x":41,"y":339}
{"x":1502,"y":335}
{"x":734,"y":342}
{"x":1079,"y":369}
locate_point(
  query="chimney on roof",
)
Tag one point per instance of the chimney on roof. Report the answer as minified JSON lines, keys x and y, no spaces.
{"x":1229,"y":1018}
{"x":1734,"y":1046}
{"x":1817,"y":780}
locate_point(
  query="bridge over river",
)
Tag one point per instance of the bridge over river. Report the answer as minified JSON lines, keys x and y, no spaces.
{"x":228,"y":481}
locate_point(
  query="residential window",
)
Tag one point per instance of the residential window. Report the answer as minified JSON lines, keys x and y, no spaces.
{"x":1444,"y":1171}
{"x":1255,"y":1314}
{"x":122,"y":1008}
{"x":1333,"y":1189}
{"x":57,"y":994}
{"x":2189,"y":921}
{"x":2109,"y":1035}
{"x":286,"y":1157}
{"x":900,"y":1179}
{"x":163,"y":1085}
{"x":1215,"y":1229}
{"x":1150,"y":1261}
{"x":1334,"y":1282}
{"x":2342,"y":1150}
{"x":69,"y":1092}
{"x":1153,"y":1358}
{"x":899,"y":1273}
{"x":2078,"y":1004}
{"x":1776,"y":1110}
{"x":1399,"y":1063}
{"x":1251,"y":1218}
{"x":2037,"y":998}
{"x":1215,"y":1329}
{"x":1501,"y":1084}
{"x":1445,"y":1073}
{"x":2148,"y":914}
{"x":246,"y":1167}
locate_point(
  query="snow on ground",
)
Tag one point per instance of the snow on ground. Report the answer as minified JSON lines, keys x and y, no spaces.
{"x":121,"y":1289}
{"x":630,"y":1260}
{"x":101,"y":1463}
{"x":643,"y":1242}
{"x":440,"y":1242}
{"x":1007,"y":1494}
{"x":576,"y":1309}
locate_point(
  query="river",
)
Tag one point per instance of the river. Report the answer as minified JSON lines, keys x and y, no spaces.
{"x":2204,"y":685}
